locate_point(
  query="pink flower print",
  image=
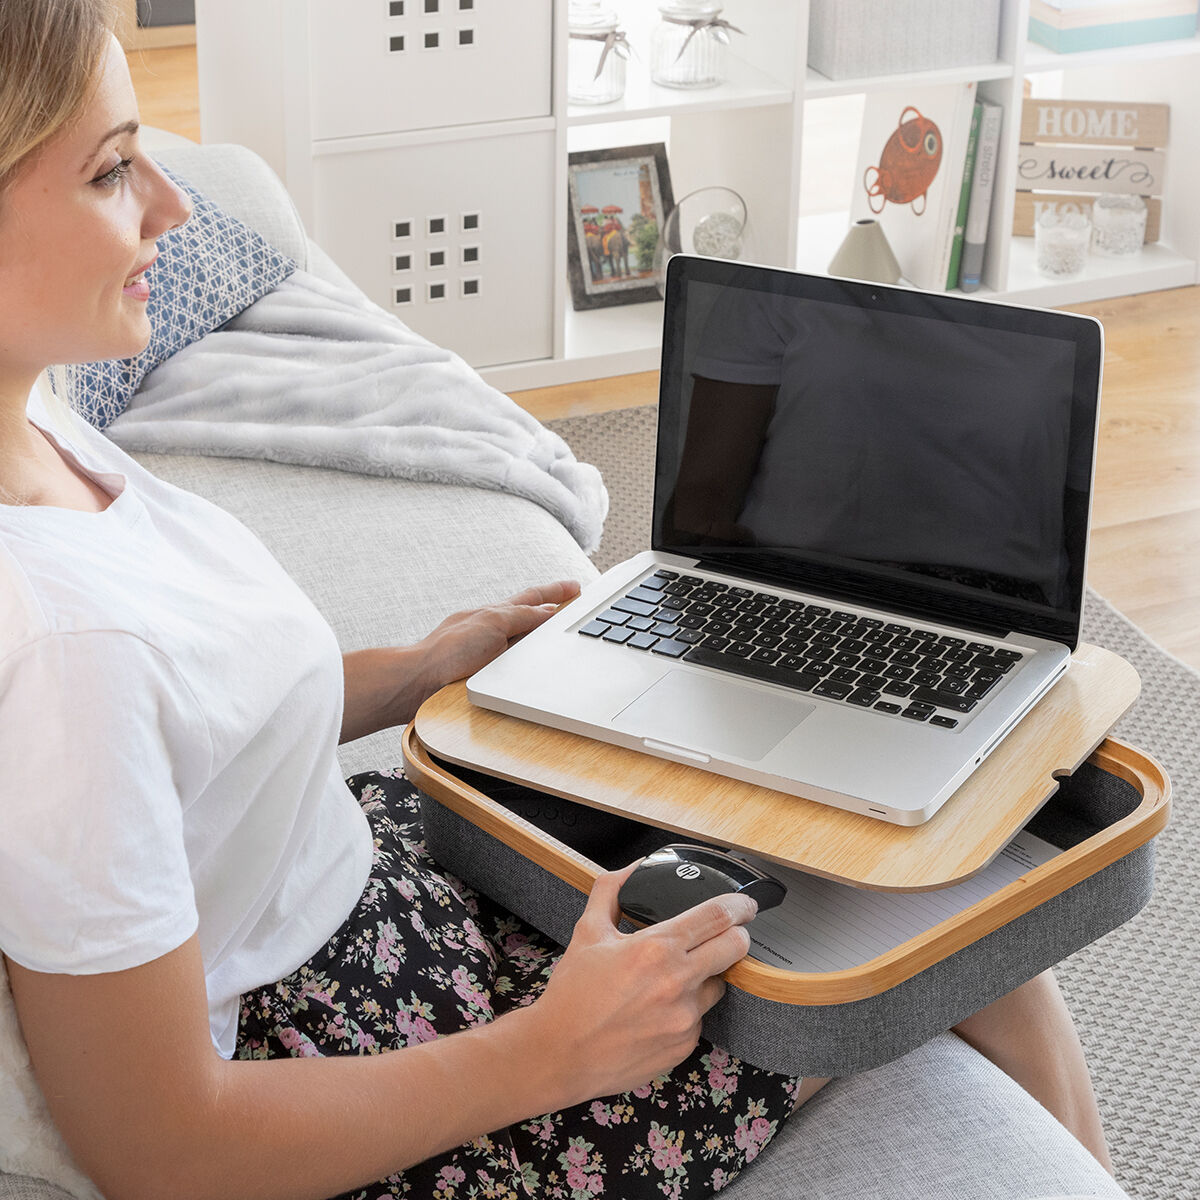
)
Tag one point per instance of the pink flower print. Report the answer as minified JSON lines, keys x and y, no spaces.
{"x":717,"y":1080}
{"x":577,"y":1154}
{"x":642,"y":1092}
{"x":601,"y":1113}
{"x":291,"y":1038}
{"x":662,"y":1159}
{"x":407,"y":889}
{"x":674,"y":1156}
{"x":719,"y":1179}
{"x":418,"y":921}
{"x":474,"y":938}
{"x":595,"y":1184}
{"x":387,"y":961}
{"x":760,"y":1129}
{"x":451,"y":1176}
{"x":656,"y":1139}
{"x":742,"y":1138}
{"x":718,"y":1056}
{"x":364,"y":1041}
{"x":576,"y":1179}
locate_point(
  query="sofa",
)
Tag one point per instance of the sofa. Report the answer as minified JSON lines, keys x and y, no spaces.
{"x":385,"y":560}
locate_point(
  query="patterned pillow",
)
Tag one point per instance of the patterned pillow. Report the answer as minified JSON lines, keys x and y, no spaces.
{"x":207,"y":272}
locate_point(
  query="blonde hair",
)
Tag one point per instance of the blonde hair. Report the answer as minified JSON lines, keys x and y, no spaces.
{"x":50,"y":55}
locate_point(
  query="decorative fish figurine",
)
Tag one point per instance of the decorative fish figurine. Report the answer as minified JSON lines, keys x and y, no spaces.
{"x":908,"y":165}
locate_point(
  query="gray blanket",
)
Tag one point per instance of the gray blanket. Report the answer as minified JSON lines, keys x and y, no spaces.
{"x":315,"y":374}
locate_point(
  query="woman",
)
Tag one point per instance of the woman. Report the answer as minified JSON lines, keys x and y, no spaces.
{"x":235,"y":977}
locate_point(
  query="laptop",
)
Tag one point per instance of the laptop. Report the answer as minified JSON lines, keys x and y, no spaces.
{"x":868,"y":546}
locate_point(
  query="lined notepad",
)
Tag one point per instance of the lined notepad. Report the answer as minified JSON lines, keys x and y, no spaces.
{"x":827,"y":926}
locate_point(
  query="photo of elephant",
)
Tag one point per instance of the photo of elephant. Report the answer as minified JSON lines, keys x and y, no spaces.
{"x":619,"y":200}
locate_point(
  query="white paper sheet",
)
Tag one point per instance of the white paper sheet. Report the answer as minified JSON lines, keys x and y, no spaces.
{"x":827,"y":926}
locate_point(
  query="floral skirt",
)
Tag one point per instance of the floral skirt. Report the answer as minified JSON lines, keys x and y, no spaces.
{"x":421,"y":956}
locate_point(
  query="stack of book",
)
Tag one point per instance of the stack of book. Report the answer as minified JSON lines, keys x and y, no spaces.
{"x":1067,"y":26}
{"x":927,"y":165}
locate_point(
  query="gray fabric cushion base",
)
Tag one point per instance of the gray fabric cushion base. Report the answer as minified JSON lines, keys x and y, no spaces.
{"x":22,"y":1187}
{"x":836,"y":1039}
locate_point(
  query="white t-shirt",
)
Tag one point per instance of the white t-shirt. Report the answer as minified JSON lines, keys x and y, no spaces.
{"x":170,"y":705}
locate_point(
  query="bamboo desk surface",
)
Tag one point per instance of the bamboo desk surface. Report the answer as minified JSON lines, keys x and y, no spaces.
{"x":1061,"y":731}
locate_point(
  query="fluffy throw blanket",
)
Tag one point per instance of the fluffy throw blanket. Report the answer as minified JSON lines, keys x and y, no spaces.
{"x":316,"y":374}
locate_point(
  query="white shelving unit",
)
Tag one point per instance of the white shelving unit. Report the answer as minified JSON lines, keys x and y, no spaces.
{"x":392,"y":115}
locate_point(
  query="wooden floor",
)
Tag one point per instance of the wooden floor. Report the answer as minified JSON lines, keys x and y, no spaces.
{"x":1145,"y":554}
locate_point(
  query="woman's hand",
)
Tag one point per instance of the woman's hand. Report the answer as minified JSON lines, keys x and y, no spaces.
{"x":466,"y":641}
{"x":623,"y":1008}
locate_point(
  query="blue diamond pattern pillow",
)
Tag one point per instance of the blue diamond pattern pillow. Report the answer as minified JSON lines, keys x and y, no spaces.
{"x":207,"y":272}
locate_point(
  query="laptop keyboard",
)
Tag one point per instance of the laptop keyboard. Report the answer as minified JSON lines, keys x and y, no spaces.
{"x":895,"y":669}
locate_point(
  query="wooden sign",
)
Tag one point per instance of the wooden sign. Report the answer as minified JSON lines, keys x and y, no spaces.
{"x":1094,"y":123}
{"x":1073,"y":150}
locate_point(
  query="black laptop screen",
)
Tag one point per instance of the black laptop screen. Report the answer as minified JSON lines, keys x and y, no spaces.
{"x":929,"y":454}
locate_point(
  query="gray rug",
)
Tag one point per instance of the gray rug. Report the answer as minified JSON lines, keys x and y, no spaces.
{"x":1135,"y":993}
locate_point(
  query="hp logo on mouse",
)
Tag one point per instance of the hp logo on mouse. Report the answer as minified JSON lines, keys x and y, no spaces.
{"x":687,"y":871}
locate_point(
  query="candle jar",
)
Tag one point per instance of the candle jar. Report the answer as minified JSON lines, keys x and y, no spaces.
{"x":1118,"y":224}
{"x":687,"y":49}
{"x":1061,"y":243}
{"x":596,"y":56}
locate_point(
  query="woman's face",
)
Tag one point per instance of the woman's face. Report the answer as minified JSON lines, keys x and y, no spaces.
{"x":77,"y":233}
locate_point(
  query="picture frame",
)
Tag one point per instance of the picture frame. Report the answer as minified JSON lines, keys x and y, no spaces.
{"x":618,"y":201}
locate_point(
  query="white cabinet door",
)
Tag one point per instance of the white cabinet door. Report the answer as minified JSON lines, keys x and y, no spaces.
{"x":390,"y":66}
{"x":455,"y":238}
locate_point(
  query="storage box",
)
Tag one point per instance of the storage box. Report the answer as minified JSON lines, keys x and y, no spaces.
{"x":1067,"y":26}
{"x":1103,"y":817}
{"x":853,"y":38}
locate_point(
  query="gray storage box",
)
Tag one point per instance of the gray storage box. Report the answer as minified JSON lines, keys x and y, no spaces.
{"x":854,"y":38}
{"x":824,"y":1039}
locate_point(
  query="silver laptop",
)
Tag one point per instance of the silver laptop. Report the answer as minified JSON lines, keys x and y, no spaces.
{"x":869,"y":542}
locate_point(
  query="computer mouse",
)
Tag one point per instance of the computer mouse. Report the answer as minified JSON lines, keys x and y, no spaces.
{"x":679,"y":877}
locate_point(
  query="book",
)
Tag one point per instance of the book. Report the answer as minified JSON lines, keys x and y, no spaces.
{"x":911,"y":154}
{"x":980,"y":207}
{"x":964,"y":200}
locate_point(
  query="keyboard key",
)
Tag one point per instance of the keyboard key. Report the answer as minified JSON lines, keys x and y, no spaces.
{"x":906,"y":659}
{"x":894,"y":687}
{"x":903,"y":630}
{"x":741,"y":592}
{"x":665,"y":628}
{"x":815,"y":610}
{"x":595,"y":629}
{"x":954,"y":643}
{"x":642,"y":641}
{"x":886,"y":706}
{"x":767,"y":656}
{"x":692,"y":637}
{"x":670,"y":648}
{"x":663,"y":573}
{"x":719,"y":628}
{"x":616,"y":634}
{"x":690,"y":620}
{"x":741,"y":650}
{"x":842,"y":659}
{"x":716,"y":643}
{"x":768,"y":641}
{"x":842,"y":616}
{"x":691,"y":580}
{"x":926,"y":678}
{"x":643,"y":594}
{"x":819,"y":653}
{"x":916,"y":713}
{"x":641,"y":624}
{"x":953,"y":685}
{"x":833,"y":689}
{"x":655,"y":583}
{"x":978,"y":647}
{"x":639,"y":608}
{"x":863,"y":697}
{"x":820,"y":669}
{"x":945,"y":700}
{"x":673,"y":603}
{"x":768,"y":672}
{"x":897,"y":672}
{"x":844,"y":675}
{"x":613,"y":617}
{"x":874,"y":682}
{"x":944,"y":722}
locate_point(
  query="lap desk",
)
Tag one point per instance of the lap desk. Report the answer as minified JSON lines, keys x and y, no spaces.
{"x":955,"y":916}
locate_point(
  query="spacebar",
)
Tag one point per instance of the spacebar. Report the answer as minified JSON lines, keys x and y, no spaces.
{"x":800,"y":681}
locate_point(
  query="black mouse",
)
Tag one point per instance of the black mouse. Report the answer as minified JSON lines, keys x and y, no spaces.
{"x":680,"y":876}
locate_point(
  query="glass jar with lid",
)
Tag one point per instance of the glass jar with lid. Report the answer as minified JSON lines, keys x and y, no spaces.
{"x":596,"y":54}
{"x":687,"y":49}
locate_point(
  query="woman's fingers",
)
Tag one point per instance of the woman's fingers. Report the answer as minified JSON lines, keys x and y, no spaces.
{"x":558,"y":592}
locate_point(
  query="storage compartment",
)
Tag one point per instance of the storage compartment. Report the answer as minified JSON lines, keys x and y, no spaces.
{"x":789,"y":1032}
{"x":389,"y":66}
{"x":852,"y":38}
{"x":456,"y":238}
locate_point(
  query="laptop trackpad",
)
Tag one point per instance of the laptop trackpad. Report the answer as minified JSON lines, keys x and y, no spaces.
{"x":712,"y":716}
